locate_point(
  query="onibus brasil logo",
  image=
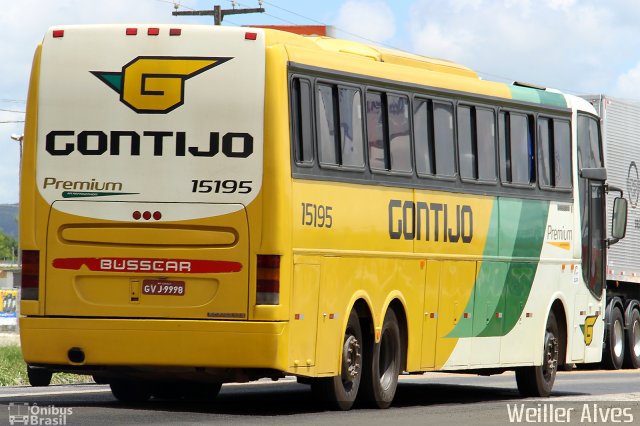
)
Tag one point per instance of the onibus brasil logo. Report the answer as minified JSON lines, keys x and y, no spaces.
{"x":155,"y":84}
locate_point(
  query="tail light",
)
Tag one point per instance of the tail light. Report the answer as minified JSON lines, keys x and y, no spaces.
{"x":268,"y":280}
{"x":30,"y":274}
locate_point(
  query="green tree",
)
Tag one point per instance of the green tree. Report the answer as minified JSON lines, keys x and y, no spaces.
{"x":8,"y":247}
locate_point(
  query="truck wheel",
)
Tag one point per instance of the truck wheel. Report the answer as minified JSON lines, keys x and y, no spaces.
{"x":382,"y":367}
{"x":340,"y":392}
{"x":632,"y":357}
{"x":614,"y":350}
{"x":538,"y":380}
{"x":130,"y":391}
{"x":39,"y":376}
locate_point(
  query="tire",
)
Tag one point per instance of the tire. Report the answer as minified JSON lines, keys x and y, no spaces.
{"x":340,"y":392}
{"x":201,"y":392}
{"x":538,"y":381}
{"x":100,"y":380}
{"x":613,"y":355}
{"x":382,"y":366}
{"x":39,"y":376}
{"x":632,"y":356}
{"x":130,"y":391}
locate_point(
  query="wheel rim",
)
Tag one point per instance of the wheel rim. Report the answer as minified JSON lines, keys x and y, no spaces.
{"x":550,"y":364}
{"x":635,"y":339}
{"x":351,"y":362}
{"x":617,"y":338}
{"x":387,"y":370}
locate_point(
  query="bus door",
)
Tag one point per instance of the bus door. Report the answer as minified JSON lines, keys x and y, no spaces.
{"x":592,"y":226}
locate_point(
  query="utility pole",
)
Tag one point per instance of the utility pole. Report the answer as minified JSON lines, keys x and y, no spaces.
{"x":219,"y":13}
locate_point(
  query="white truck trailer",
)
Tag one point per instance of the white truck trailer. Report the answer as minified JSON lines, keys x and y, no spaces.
{"x":620,"y":125}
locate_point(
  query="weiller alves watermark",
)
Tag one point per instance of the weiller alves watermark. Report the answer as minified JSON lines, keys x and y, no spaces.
{"x":573,"y":412}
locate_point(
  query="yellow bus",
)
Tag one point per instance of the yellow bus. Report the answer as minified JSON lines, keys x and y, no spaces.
{"x":206,"y":205}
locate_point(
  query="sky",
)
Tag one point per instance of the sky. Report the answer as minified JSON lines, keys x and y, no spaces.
{"x":577,"y":46}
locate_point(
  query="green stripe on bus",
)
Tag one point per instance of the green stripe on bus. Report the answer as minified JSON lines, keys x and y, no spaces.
{"x":520,"y":275}
{"x":502,"y":288}
{"x":538,"y":96}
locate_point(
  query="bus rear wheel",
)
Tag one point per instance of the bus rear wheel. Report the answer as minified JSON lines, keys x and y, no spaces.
{"x":632,"y":357}
{"x":382,"y":367}
{"x":614,"y":351}
{"x":39,"y":376}
{"x":186,"y":390}
{"x":130,"y":391}
{"x":538,"y":381}
{"x":340,"y":392}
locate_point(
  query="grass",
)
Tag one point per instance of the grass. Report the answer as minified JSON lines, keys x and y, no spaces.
{"x":13,"y":370}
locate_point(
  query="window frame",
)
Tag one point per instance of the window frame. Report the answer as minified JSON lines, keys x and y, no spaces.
{"x":473,"y":132}
{"x":431,"y":131}
{"x":384,"y":92}
{"x":336,"y":86}
{"x":416,"y":179}
{"x":296,"y":118}
{"x":553,"y":120}
{"x":532,"y":124}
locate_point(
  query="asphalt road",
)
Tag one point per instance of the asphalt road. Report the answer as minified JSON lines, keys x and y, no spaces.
{"x":579,"y":397}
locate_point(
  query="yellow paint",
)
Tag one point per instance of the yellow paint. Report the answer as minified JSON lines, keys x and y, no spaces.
{"x":589,"y":323}
{"x":565,"y":245}
{"x":352,"y":260}
{"x":165,"y":79}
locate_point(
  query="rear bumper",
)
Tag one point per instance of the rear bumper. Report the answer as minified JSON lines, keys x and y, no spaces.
{"x":155,"y":342}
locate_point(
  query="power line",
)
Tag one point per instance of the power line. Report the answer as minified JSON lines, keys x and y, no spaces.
{"x":12,"y":110}
{"x":295,"y":13}
{"x":18,"y":101}
{"x":490,"y":75}
{"x":323,"y":23}
{"x":12,"y":121}
{"x":176,"y":4}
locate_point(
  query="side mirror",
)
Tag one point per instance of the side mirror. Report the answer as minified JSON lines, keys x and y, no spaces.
{"x":619,"y":220}
{"x":598,"y":173}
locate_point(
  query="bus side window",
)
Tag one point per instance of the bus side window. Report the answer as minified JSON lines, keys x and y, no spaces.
{"x":517,"y":148}
{"x":505,"y":152}
{"x":554,"y":153}
{"x":302,"y":110}
{"x":477,"y":143}
{"x":327,"y":134}
{"x":399,"y":140}
{"x":521,"y":144}
{"x":443,"y":137}
{"x":545,"y":152}
{"x":376,"y":125}
{"x":562,"y":153}
{"x":467,"y":143}
{"x":486,"y":140}
{"x":351,"y":140}
{"x":423,"y":136}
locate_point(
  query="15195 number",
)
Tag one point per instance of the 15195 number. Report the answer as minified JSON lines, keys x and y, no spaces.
{"x":316,"y":215}
{"x":228,"y":186}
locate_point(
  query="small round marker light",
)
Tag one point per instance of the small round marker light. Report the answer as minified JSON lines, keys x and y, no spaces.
{"x":146,"y":215}
{"x":157,"y":215}
{"x":137,"y":215}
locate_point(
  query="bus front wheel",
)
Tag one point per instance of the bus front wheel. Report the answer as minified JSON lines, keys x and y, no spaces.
{"x":340,"y":391}
{"x":538,"y":381}
{"x":382,"y":367}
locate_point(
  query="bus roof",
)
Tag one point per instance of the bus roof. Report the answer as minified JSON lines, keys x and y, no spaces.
{"x":448,"y":76}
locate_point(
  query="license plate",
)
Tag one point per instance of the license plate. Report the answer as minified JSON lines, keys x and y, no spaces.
{"x":163,"y":288}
